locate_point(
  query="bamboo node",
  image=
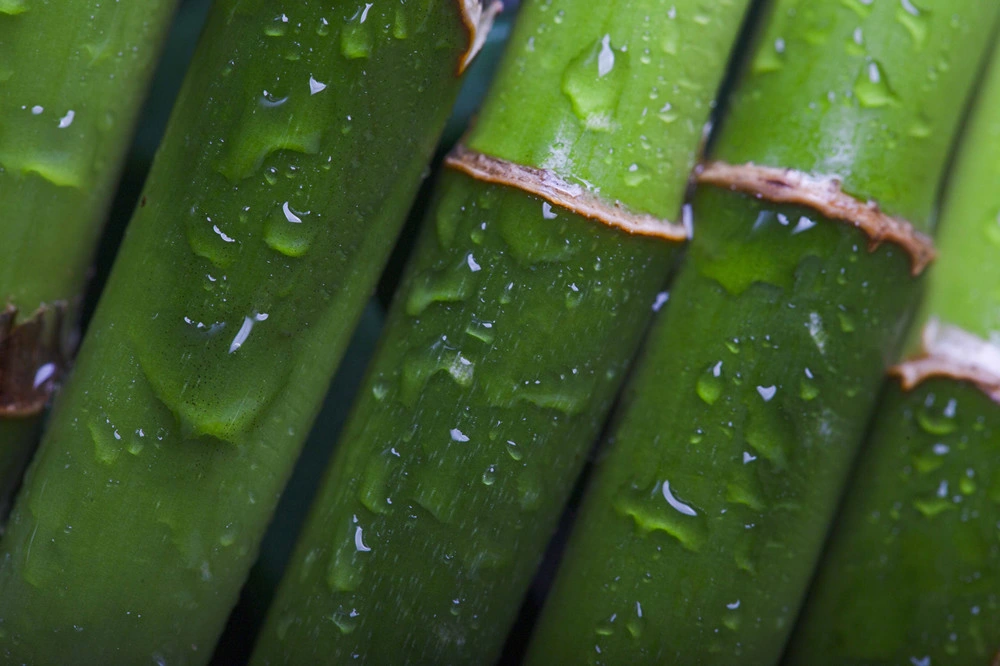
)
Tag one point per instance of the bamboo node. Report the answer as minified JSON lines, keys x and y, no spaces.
{"x":33,"y":358}
{"x":823,"y":194}
{"x":948,"y":351}
{"x":554,"y":189}
{"x":478,"y":19}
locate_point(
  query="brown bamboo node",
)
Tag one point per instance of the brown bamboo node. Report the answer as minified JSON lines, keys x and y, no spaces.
{"x":823,"y":194}
{"x":950,"y":352}
{"x":478,"y":19}
{"x":33,"y":358}
{"x":551,"y":187}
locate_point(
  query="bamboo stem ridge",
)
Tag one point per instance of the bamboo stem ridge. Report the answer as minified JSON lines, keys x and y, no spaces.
{"x":825,"y":196}
{"x":33,"y":357}
{"x":478,"y":19}
{"x":949,"y":351}
{"x":575,"y":198}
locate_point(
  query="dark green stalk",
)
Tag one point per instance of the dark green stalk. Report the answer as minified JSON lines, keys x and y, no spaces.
{"x":699,"y":533}
{"x":508,"y":340}
{"x":73,"y":75}
{"x":293,"y":153}
{"x":913,"y":568}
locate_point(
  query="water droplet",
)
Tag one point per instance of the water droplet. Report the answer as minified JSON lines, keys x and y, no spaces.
{"x":871,"y":87}
{"x":710,"y":384}
{"x":934,"y":419}
{"x":356,"y":39}
{"x":346,"y":620}
{"x":770,"y":57}
{"x":914,"y":20}
{"x":933,"y":506}
{"x":593,"y":82}
{"x":769,"y":433}
{"x":637,"y":174}
{"x":514,"y":451}
{"x":13,"y":7}
{"x":448,"y":287}
{"x":686,"y":509}
{"x":767,"y":393}
{"x":861,"y":7}
{"x":651,"y":513}
{"x":286,"y":232}
{"x":399,"y":24}
{"x":277,"y":27}
{"x":490,"y":475}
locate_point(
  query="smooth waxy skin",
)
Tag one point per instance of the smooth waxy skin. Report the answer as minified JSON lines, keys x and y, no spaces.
{"x":506,"y":344}
{"x":289,"y":163}
{"x":698,"y":535}
{"x":72,"y":78}
{"x":913,"y":567}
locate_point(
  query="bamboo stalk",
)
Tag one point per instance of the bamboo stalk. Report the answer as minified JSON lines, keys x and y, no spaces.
{"x":548,"y":243}
{"x":912,"y":570}
{"x":293,"y":153}
{"x":73,"y":75}
{"x":700,"y":530}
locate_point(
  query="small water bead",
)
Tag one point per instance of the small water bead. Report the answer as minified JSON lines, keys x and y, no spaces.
{"x":710,"y":384}
{"x":490,"y":475}
{"x":871,"y":87}
{"x":514,"y":451}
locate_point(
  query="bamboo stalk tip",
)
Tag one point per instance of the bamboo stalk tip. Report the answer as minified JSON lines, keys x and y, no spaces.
{"x":33,"y":358}
{"x":478,"y":19}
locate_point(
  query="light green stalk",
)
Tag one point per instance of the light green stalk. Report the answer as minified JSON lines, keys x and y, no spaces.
{"x":699,"y":533}
{"x":913,"y":567}
{"x":507,"y":342}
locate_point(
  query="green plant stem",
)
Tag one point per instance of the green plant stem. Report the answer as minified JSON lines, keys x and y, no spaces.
{"x":506,"y":343}
{"x":698,"y":535}
{"x":292,"y":155}
{"x":73,"y":75}
{"x":912,"y":570}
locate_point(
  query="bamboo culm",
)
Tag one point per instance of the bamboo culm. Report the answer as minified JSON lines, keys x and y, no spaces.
{"x":698,"y":535}
{"x":913,"y":566}
{"x":508,"y":339}
{"x":74,"y":75}
{"x":293,"y":153}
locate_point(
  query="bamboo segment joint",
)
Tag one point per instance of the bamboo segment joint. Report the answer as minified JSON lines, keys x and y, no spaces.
{"x":823,"y":194}
{"x":478,"y":19}
{"x":32,"y":359}
{"x":554,"y":189}
{"x":949,"y":351}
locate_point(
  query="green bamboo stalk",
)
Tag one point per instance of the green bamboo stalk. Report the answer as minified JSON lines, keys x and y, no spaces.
{"x":293,"y":153}
{"x":72,"y":78}
{"x":912,"y":571}
{"x":698,"y":535}
{"x":508,"y":339}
